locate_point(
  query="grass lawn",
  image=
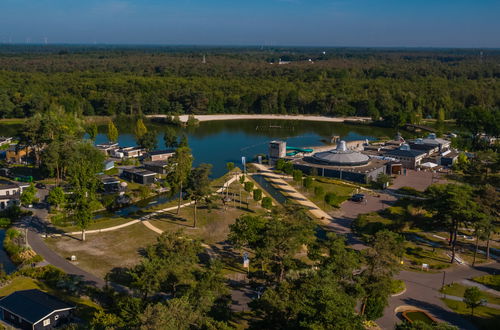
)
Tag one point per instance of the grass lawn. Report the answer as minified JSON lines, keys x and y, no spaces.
{"x":492,"y":281}
{"x":212,"y":225}
{"x":104,"y":251}
{"x":343,"y":192}
{"x":484,"y":317}
{"x":417,"y":254}
{"x":86,"y":307}
{"x":459,"y":289}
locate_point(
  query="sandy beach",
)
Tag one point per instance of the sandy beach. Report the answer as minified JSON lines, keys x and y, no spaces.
{"x":269,"y":116}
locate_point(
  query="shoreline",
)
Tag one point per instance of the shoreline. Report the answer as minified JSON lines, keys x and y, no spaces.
{"x":201,"y":118}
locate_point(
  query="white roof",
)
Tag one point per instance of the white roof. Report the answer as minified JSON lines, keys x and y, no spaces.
{"x":429,"y":165}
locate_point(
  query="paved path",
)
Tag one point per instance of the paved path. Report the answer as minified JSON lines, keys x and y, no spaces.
{"x":422,"y":290}
{"x":39,"y":246}
{"x":481,"y":287}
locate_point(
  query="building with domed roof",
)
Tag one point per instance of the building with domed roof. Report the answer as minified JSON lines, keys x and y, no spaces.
{"x":343,"y":163}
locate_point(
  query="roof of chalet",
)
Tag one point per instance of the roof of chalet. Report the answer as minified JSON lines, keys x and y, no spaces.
{"x":32,"y":305}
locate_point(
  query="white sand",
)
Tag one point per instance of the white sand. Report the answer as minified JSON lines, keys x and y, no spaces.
{"x":260,"y":116}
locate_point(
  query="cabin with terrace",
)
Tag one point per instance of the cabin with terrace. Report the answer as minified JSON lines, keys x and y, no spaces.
{"x":158,"y":155}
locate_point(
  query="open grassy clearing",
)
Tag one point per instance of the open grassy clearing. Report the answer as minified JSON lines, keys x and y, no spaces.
{"x":102,"y":252}
{"x":484,"y":317}
{"x":213,"y":224}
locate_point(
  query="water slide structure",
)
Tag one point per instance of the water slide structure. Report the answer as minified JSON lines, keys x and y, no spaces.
{"x":292,"y":151}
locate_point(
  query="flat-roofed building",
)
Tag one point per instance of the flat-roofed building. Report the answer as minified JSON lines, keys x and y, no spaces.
{"x":160,"y":155}
{"x":159,"y":166}
{"x":277,"y":150}
{"x":139,"y":175}
{"x":409,"y":158}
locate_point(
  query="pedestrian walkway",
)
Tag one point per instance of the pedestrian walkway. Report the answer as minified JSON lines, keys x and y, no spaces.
{"x":481,"y":287}
{"x":462,"y":299}
{"x":293,"y":194}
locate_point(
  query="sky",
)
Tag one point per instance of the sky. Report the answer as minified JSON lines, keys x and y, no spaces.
{"x":363,"y":23}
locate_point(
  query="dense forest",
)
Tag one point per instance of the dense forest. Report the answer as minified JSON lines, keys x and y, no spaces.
{"x":400,"y":86}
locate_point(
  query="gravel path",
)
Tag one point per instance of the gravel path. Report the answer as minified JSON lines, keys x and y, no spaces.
{"x":184,"y":118}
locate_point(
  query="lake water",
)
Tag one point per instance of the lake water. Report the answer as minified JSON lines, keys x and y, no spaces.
{"x":220,"y":142}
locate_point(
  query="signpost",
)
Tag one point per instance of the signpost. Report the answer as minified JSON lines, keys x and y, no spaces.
{"x":246,"y":261}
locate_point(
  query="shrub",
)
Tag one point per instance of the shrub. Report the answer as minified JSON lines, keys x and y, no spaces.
{"x":297,"y":175}
{"x":308,"y":182}
{"x":319,"y":191}
{"x":248,"y":186}
{"x":4,"y":222}
{"x":267,"y":203}
{"x":330,"y":198}
{"x":257,"y":195}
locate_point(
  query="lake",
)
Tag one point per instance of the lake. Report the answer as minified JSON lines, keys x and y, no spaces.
{"x":220,"y":142}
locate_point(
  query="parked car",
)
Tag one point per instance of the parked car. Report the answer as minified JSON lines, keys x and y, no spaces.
{"x":40,"y":185}
{"x":358,"y":198}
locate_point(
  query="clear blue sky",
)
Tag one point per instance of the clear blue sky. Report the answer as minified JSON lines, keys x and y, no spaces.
{"x":413,"y":23}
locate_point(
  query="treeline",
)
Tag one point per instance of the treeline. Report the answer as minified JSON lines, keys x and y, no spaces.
{"x":396,"y":85}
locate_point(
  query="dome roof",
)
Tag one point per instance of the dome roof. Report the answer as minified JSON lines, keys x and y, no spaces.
{"x":341,"y":157}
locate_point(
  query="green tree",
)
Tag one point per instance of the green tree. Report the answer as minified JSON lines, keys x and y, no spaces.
{"x":288,"y":168}
{"x":472,"y":298}
{"x":275,"y":240}
{"x":242,"y":179}
{"x":176,"y":313}
{"x":181,"y":162}
{"x":308,"y":182}
{"x":331,"y":198}
{"x":382,"y":259}
{"x":452,"y":205}
{"x":249,"y":186}
{"x":85,"y":162}
{"x":170,"y":137}
{"x":320,"y":299}
{"x":92,"y":131}
{"x":184,"y":141}
{"x":166,"y":265}
{"x":103,"y":321}
{"x":230,"y":166}
{"x":148,"y":141}
{"x":198,"y":187}
{"x":384,"y":180}
{"x":112,"y":132}
{"x":257,"y":195}
{"x":319,"y":192}
{"x":56,"y":197}
{"x":28,"y":195}
{"x":297,"y":175}
{"x":280,"y":164}
{"x":267,"y":203}
{"x":140,"y":129}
